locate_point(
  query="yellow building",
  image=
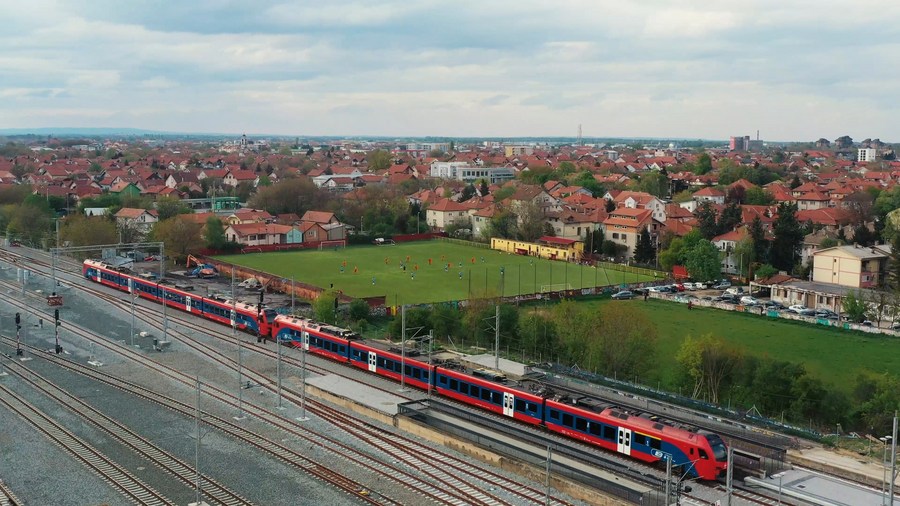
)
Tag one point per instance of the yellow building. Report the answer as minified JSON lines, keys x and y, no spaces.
{"x":549,"y":247}
{"x":851,"y":265}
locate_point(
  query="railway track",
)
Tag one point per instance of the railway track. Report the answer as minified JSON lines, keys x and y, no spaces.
{"x":443,"y":494}
{"x":129,"y":485}
{"x":438,"y":465}
{"x":7,"y":497}
{"x":211,"y":490}
{"x":399,"y":450}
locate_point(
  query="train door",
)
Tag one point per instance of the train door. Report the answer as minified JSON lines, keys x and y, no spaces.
{"x":372,"y":361}
{"x":305,"y":341}
{"x":624,"y":441}
{"x":233,"y":320}
{"x":187,"y":304}
{"x":509,"y":404}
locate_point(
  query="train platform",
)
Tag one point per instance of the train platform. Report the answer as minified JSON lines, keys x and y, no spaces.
{"x":510,"y":367}
{"x":839,"y":463}
{"x":820,"y":489}
{"x":373,"y":398}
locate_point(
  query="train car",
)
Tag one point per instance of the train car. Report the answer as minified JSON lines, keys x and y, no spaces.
{"x":314,"y":337}
{"x":639,"y":436}
{"x":211,"y":308}
{"x":373,"y":358}
{"x":502,"y":399}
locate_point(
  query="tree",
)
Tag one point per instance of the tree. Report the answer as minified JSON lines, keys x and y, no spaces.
{"x":703,"y":165}
{"x":28,"y":222}
{"x":502,"y":225}
{"x":622,"y":341}
{"x":683,"y":196}
{"x":765,"y":271}
{"x":215,"y":234}
{"x":467,"y":193}
{"x":181,"y":237}
{"x":293,"y":195}
{"x":644,"y":252}
{"x":709,"y":363}
{"x":359,"y":310}
{"x":855,"y":307}
{"x":379,"y":160}
{"x":531,"y":222}
{"x":610,"y":205}
{"x":788,"y":237}
{"x":593,"y":241}
{"x":745,"y":254}
{"x":893,"y":274}
{"x":655,"y":184}
{"x":483,"y":189}
{"x":325,"y":307}
{"x":795,"y":182}
{"x":168,"y":207}
{"x":706,"y":216}
{"x":757,"y":196}
{"x":703,"y":261}
{"x":736,"y":195}
{"x":760,"y":243}
{"x":79,"y":230}
{"x":678,"y":250}
{"x":731,"y":217}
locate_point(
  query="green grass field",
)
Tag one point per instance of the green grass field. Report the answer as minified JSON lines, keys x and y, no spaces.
{"x":433,"y":281}
{"x":835,"y":355}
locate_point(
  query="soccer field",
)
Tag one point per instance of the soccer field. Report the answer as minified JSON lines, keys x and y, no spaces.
{"x":434,"y":271}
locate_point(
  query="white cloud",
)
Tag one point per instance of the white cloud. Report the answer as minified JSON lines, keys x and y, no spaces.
{"x":796,"y":69}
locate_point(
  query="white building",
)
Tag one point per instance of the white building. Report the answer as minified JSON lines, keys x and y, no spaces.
{"x":866,"y":155}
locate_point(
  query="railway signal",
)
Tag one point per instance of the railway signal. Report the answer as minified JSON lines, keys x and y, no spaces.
{"x":18,"y":328}
{"x":58,"y":347}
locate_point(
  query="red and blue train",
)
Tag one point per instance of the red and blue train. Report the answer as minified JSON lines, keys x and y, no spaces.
{"x":701,"y":454}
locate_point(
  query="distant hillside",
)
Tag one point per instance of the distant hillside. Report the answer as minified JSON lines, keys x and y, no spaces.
{"x":81,"y":132}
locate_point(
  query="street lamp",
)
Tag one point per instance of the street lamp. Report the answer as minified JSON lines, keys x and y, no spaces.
{"x":884,"y":441}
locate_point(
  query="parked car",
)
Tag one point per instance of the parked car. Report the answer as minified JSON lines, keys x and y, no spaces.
{"x":807,"y":312}
{"x":679,"y":287}
{"x":796,"y":308}
{"x":640,"y":291}
{"x":731,"y":299}
{"x":771,"y":304}
{"x":721,"y":285}
{"x":657,"y":289}
{"x":749,"y":300}
{"x":690,"y":286}
{"x":623,"y":295}
{"x":735,"y":290}
{"x":826,"y":313}
{"x":895,"y":326}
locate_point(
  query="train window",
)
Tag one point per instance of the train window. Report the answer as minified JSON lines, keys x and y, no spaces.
{"x":474,"y":391}
{"x":485,"y":394}
{"x":567,"y":419}
{"x":692,"y":451}
{"x":703,"y":454}
{"x":581,"y":424}
{"x":554,"y":414}
{"x":609,"y":432}
{"x":656,"y":444}
{"x":454,"y":385}
{"x":521,"y":405}
{"x":497,"y":398}
{"x":464,"y":388}
{"x":595,"y":429}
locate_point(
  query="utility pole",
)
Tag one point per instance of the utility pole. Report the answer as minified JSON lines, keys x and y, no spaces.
{"x":235,"y":337}
{"x":278,"y":369}
{"x":57,"y":323}
{"x":549,"y":461}
{"x":893,"y":461}
{"x":197,"y":445}
{"x":131,"y":293}
{"x":430,"y":346}
{"x":18,"y":332}
{"x":292,"y":295}
{"x":165,"y":303}
{"x":729,"y":485}
{"x":304,"y":345}
{"x":668,"y":478}
{"x":497,"y":337}
{"x":403,"y":348}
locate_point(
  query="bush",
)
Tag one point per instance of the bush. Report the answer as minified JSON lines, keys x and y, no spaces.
{"x":359,"y":310}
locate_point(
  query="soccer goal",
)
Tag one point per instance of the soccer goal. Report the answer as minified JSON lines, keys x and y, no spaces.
{"x":325,"y":245}
{"x":556,"y":287}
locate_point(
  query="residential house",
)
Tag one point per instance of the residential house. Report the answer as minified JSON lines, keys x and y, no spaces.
{"x":641,"y":200}
{"x":624,"y":226}
{"x":446,"y":212}
{"x":710,"y":194}
{"x":262,"y":234}
{"x":236,"y":177}
{"x":852,"y":265}
{"x":726,"y":243}
{"x":141,"y":220}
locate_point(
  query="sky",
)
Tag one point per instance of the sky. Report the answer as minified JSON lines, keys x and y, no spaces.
{"x":796,"y":70}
